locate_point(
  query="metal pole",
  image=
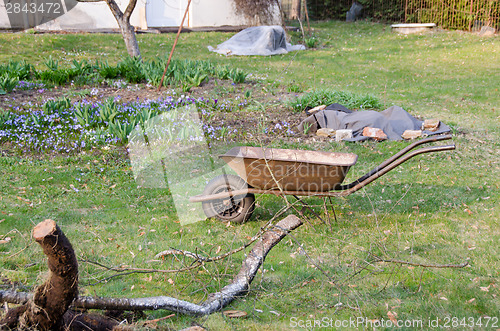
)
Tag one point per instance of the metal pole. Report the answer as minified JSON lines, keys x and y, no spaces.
{"x":173,"y":46}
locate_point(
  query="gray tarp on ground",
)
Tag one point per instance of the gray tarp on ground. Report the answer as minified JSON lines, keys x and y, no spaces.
{"x":393,"y":121}
{"x":257,"y":40}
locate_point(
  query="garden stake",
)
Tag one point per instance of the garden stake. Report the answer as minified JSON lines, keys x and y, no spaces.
{"x":307,"y":18}
{"x":173,"y":46}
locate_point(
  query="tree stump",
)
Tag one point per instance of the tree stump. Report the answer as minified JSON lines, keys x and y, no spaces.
{"x":51,"y":299}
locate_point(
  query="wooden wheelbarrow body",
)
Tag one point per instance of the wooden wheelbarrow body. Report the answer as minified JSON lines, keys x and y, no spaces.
{"x":273,"y":169}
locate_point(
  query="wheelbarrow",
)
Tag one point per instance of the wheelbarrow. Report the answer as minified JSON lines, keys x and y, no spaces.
{"x":291,"y":172}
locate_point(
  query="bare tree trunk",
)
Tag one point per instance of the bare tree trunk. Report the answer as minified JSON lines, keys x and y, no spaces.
{"x":128,"y":33}
{"x":127,"y":30}
{"x":295,"y":13}
{"x":123,"y":20}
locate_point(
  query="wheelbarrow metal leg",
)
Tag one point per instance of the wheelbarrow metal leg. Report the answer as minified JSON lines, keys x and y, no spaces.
{"x":306,"y":206}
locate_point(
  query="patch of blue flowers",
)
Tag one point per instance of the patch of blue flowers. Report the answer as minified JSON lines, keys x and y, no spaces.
{"x":27,"y":85}
{"x":62,"y":126}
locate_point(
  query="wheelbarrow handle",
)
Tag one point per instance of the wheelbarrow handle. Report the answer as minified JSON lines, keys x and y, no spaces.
{"x":408,"y":148}
{"x":398,"y":156}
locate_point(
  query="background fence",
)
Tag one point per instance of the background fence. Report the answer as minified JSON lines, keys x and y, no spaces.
{"x":467,"y":15}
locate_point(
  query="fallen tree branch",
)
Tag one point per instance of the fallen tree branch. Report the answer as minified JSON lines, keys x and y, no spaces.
{"x":200,"y":258}
{"x":138,"y":270}
{"x":423,"y":265}
{"x":175,"y":251}
{"x":124,"y":271}
{"x":216,"y":301}
{"x":15,"y":297}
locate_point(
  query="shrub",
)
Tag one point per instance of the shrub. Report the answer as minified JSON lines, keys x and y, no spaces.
{"x":17,"y":69}
{"x":7,"y":83}
{"x":326,"y":97}
{"x":131,"y":69}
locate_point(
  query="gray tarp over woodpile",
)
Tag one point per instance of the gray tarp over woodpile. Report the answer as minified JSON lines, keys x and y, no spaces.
{"x":394,"y":121}
{"x":257,"y":40}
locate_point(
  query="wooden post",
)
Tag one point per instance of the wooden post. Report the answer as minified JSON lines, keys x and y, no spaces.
{"x":307,"y":17}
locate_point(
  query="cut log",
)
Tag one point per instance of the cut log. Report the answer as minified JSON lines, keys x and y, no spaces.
{"x":52,"y":299}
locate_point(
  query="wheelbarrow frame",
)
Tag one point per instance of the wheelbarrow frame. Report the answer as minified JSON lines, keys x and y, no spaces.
{"x":339,"y":190}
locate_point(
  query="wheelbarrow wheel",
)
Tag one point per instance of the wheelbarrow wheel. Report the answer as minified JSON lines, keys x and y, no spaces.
{"x":236,"y":209}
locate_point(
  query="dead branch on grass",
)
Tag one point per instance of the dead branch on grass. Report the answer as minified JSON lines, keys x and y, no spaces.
{"x":200,"y":258}
{"x":124,"y":271}
{"x":216,"y":301}
{"x":423,"y":265}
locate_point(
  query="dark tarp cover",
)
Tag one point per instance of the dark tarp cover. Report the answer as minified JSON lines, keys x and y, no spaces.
{"x":394,"y":121}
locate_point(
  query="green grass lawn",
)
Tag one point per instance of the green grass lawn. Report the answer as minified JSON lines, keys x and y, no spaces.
{"x":437,"y":209}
